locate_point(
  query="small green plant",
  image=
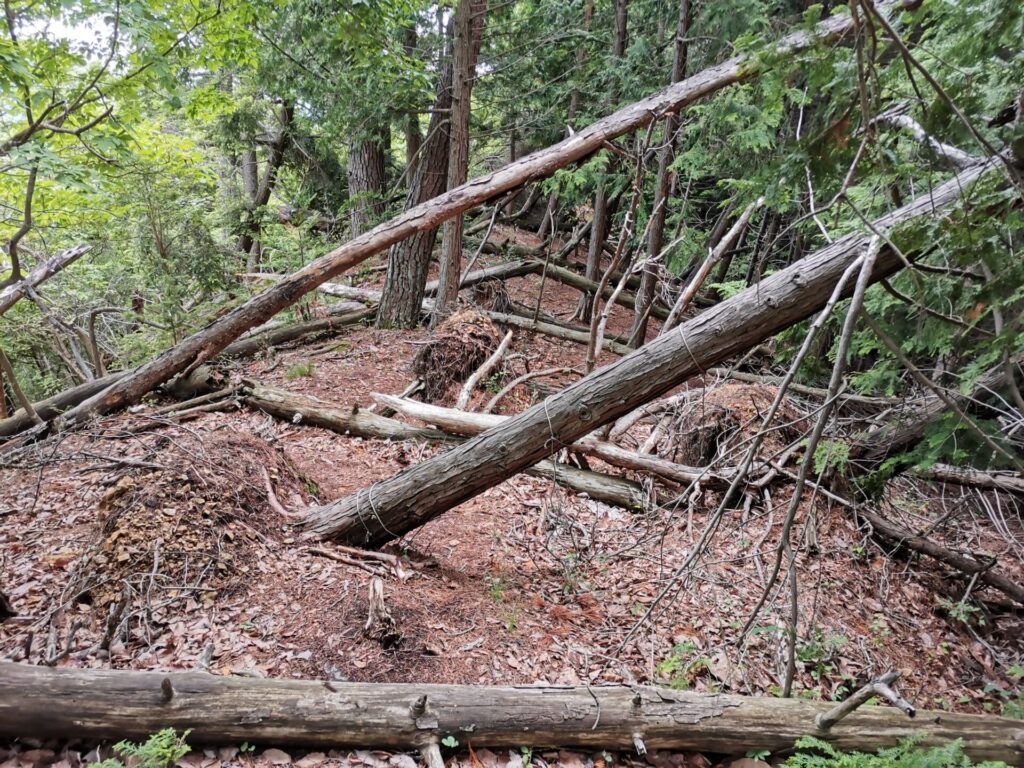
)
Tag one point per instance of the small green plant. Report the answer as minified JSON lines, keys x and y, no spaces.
{"x":450,"y":741}
{"x":247,"y":748}
{"x":906,"y":754}
{"x":305,"y":368}
{"x":496,"y":591}
{"x":161,"y":750}
{"x":961,"y":611}
{"x":759,"y":754}
{"x":681,"y":666}
{"x":527,"y":754}
{"x":512,"y":618}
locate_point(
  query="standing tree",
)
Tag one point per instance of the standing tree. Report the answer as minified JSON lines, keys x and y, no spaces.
{"x":469,"y":24}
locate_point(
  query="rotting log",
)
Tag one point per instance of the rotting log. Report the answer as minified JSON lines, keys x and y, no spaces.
{"x":549,"y":329}
{"x":983,"y":569}
{"x":297,"y":408}
{"x":468,"y":424}
{"x":55,"y":703}
{"x":208,"y":342}
{"x":425,"y":490}
{"x":10,"y":295}
{"x":506,"y":271}
{"x":1008,"y":482}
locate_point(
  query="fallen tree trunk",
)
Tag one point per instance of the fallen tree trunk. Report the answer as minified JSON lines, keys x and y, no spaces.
{"x":984,"y":569}
{"x":426,"y":216}
{"x":362,"y":423}
{"x":52,"y":407}
{"x":550,"y":329}
{"x":425,"y":490}
{"x":568,"y":277}
{"x":976,"y":478}
{"x":44,"y":702}
{"x":505,"y":271}
{"x":275,"y":337}
{"x":469,"y":424}
{"x":10,"y":295}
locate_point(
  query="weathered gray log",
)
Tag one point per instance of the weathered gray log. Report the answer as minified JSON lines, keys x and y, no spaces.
{"x":362,"y":423}
{"x":505,"y":271}
{"x":206,"y":343}
{"x":549,"y":329}
{"x":45,"y":702}
{"x":52,"y":407}
{"x":458,"y":422}
{"x":275,"y":337}
{"x":1008,"y":482}
{"x":568,"y":277}
{"x":425,"y":490}
{"x":10,"y":295}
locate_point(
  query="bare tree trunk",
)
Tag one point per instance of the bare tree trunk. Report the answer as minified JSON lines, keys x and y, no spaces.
{"x":599,"y":229}
{"x":413,"y":135}
{"x":428,"y":489}
{"x":365,"y":181}
{"x":469,"y":25}
{"x":206,"y":343}
{"x":656,"y":231}
{"x":409,"y":260}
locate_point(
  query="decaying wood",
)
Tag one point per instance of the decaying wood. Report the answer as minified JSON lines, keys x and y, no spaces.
{"x":549,"y":329}
{"x":297,"y":408}
{"x":426,"y":216}
{"x":482,"y":372}
{"x":984,"y":569}
{"x":457,"y":422}
{"x":91,"y":705}
{"x":1008,"y":482}
{"x":52,"y":407}
{"x":275,"y":337}
{"x":380,"y":625}
{"x":10,"y":295}
{"x":426,"y":490}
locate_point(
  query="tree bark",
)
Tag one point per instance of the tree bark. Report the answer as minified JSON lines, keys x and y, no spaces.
{"x":209,"y":341}
{"x":362,"y":423}
{"x":258,"y":190}
{"x":425,"y":490}
{"x":365,"y":181}
{"x":45,"y":703}
{"x":656,"y":231}
{"x":469,"y":25}
{"x":10,"y":295}
{"x":409,"y":259}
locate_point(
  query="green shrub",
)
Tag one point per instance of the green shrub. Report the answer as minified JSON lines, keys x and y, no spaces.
{"x":904,"y":755}
{"x":161,"y":750}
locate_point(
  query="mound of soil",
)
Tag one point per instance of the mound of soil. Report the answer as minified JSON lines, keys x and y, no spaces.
{"x":456,"y":348}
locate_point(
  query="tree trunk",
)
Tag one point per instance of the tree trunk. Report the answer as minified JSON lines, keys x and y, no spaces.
{"x":362,"y":423}
{"x":599,"y":229}
{"x":258,"y":190}
{"x":413,"y":136}
{"x":426,"y":490}
{"x":409,"y":260}
{"x":365,"y":182}
{"x":656,"y":231}
{"x":10,"y":295}
{"x":469,"y":25}
{"x":206,"y":343}
{"x":51,"y":703}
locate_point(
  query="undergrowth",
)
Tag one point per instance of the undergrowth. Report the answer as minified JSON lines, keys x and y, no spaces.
{"x":906,"y":754}
{"x":161,"y":750}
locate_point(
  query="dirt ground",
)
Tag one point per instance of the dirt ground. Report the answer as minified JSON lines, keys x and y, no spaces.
{"x":145,"y":544}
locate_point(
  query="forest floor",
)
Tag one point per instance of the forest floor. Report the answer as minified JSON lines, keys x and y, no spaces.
{"x":168,"y":529}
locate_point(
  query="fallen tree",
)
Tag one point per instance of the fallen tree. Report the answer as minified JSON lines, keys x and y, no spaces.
{"x":426,"y":216}
{"x":458,"y":422}
{"x":363,"y":423}
{"x":44,"y":702}
{"x":10,"y":295}
{"x":426,"y":490}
